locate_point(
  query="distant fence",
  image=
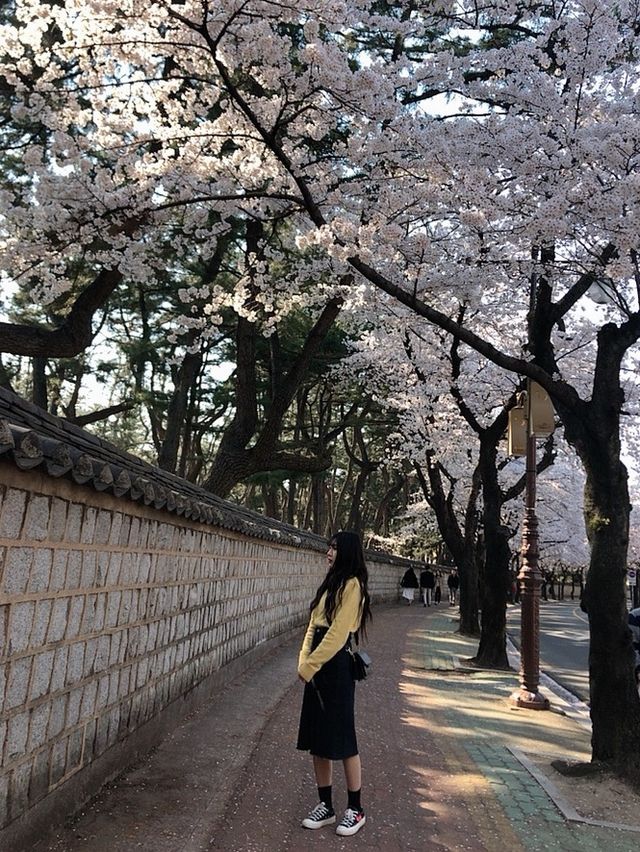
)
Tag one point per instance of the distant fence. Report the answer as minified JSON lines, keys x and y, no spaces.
{"x":127,"y":597}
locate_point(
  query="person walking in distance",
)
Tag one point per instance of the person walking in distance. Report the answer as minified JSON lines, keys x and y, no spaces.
{"x":409,"y":584}
{"x":437,"y":595}
{"x":427,"y":585}
{"x":341,"y":607}
{"x":561,"y":583}
{"x":453,"y":582}
{"x":551,"y":583}
{"x":578,"y":581}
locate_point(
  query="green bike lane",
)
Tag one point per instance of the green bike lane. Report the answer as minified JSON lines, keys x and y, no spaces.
{"x":502,"y":742}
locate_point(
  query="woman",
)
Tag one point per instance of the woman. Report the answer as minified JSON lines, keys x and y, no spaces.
{"x":340,"y":607}
{"x":409,"y":584}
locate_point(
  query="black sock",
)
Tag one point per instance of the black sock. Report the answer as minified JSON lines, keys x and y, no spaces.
{"x":354,"y":800}
{"x":324,"y":794}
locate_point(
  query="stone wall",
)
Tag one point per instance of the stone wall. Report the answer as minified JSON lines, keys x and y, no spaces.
{"x":116,"y":616}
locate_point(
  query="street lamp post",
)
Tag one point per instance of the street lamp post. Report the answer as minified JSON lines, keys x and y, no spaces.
{"x":530,"y":580}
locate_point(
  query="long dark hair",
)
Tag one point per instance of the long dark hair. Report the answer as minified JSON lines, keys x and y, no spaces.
{"x":349,"y":562}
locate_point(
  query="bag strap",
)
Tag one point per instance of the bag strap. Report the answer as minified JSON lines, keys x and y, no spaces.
{"x":355,"y":637}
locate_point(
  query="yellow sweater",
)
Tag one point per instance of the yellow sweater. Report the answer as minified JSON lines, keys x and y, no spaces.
{"x":346,"y":619}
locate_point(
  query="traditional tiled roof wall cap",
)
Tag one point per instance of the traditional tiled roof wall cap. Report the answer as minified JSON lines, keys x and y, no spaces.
{"x":32,"y":438}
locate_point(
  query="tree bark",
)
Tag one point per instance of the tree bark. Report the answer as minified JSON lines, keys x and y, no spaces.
{"x":318,"y":504}
{"x":270,"y":499}
{"x":102,"y":414}
{"x":382,"y":516}
{"x":40,"y":396}
{"x":614,"y":705}
{"x":291,"y":502}
{"x":366,"y":467}
{"x":461,"y":545}
{"x":234,"y":459}
{"x":492,"y":649}
{"x":615,"y":709}
{"x":74,"y":333}
{"x":355,"y":521}
{"x":177,"y":411}
{"x":611,"y":673}
{"x":593,"y":429}
{"x":495,"y":558}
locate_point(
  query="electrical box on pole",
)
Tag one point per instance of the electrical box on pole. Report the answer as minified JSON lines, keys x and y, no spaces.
{"x":517,"y":432}
{"x":541,"y":413}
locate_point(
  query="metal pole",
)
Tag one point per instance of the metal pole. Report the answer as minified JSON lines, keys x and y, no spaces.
{"x":530,"y":581}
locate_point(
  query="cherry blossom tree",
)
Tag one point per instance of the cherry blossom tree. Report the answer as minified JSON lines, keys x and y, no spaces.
{"x":432,"y":156}
{"x":452,"y":414}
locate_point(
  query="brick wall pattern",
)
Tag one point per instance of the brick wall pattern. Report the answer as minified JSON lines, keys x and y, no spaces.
{"x":110,"y":611}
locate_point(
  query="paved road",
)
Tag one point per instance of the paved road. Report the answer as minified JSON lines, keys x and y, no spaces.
{"x":448,"y":763}
{"x":564,"y":643}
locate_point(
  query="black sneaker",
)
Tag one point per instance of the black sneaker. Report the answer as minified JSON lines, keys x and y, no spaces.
{"x":319,"y":816}
{"x":351,"y":822}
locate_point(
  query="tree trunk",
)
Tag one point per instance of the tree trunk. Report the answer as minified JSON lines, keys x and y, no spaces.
{"x":615,"y":709}
{"x":270,"y":499}
{"x":177,"y":411}
{"x":383,"y":513}
{"x":318,"y":507}
{"x":355,"y":521}
{"x":291,"y":502}
{"x":230,"y":467}
{"x":234,"y":458}
{"x":492,"y":650}
{"x":190,"y":434}
{"x":593,"y":428}
{"x":342,"y":496}
{"x":469,"y":599}
{"x":40,"y":396}
{"x":461,"y":545}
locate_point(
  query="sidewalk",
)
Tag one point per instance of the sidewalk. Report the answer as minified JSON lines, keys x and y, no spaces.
{"x":436,"y":740}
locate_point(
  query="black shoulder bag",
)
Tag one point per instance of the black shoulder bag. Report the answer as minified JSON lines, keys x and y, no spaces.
{"x":360,"y":661}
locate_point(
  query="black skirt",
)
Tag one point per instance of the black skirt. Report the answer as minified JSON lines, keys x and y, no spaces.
{"x":327,"y":727}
